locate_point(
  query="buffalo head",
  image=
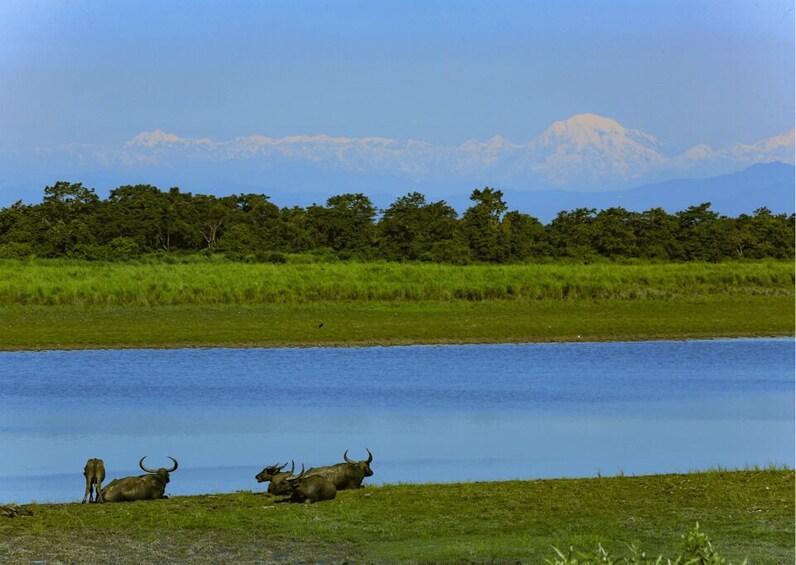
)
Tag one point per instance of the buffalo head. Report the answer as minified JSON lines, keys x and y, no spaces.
{"x":364,"y":465}
{"x":162,"y":472}
{"x":272,"y":471}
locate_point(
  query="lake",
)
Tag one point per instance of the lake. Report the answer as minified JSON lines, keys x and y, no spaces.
{"x":428,"y":413}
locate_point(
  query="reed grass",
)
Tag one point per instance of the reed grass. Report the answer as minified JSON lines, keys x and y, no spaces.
{"x":63,"y":282}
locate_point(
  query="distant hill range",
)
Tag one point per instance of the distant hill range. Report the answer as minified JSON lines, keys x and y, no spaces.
{"x":586,"y":161}
{"x":769,"y":185}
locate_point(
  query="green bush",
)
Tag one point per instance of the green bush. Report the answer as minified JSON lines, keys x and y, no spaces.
{"x":16,"y":250}
{"x":696,"y":549}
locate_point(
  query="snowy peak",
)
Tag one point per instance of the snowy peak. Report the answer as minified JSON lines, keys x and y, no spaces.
{"x":588,"y":148}
{"x":159,"y":138}
{"x":584,"y":130}
{"x":154,"y":138}
{"x":583,"y":152}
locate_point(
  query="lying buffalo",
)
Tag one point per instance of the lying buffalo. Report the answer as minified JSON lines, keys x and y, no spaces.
{"x":143,"y":487}
{"x":310,"y":488}
{"x":277,"y":477}
{"x":346,"y":475}
{"x":94,"y":471}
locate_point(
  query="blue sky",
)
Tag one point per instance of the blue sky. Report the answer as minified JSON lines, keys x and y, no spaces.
{"x":688,"y":72}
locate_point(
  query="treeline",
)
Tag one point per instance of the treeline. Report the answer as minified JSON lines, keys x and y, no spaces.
{"x":72,"y":221}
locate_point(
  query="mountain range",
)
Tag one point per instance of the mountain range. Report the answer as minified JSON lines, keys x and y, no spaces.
{"x":580,"y":159}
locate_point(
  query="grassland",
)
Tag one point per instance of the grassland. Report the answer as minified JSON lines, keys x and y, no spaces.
{"x":59,"y":282}
{"x":62,"y":304}
{"x":745,"y":514}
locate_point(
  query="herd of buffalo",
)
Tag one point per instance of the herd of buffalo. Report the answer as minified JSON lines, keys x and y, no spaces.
{"x":311,"y":485}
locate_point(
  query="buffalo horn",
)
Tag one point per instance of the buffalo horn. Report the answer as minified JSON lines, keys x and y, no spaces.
{"x":347,"y":460}
{"x":141,"y":464}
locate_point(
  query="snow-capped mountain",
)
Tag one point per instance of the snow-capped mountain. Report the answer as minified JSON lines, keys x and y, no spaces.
{"x":588,"y":148}
{"x":583,"y":153}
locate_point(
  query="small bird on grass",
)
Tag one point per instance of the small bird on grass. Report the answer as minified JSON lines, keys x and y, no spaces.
{"x":320,"y":325}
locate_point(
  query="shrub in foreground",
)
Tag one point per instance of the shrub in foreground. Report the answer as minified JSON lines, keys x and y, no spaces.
{"x":696,"y":549}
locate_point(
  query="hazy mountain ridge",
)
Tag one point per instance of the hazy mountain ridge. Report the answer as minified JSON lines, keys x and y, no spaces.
{"x":584,"y":152}
{"x":581,"y":155}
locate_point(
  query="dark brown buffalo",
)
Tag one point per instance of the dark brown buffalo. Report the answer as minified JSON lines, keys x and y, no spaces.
{"x":143,"y":487}
{"x":310,"y":488}
{"x":348,"y":475}
{"x":94,"y":471}
{"x":276,"y":477}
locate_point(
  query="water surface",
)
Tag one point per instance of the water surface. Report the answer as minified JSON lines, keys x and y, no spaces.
{"x":428,"y":413}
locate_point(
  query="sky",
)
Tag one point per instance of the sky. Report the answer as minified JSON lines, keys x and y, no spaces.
{"x":688,"y":72}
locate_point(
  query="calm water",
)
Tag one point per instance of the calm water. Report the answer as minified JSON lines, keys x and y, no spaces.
{"x":445,"y":413}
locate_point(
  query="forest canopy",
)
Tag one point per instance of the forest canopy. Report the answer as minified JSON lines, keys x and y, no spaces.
{"x":72,"y":221}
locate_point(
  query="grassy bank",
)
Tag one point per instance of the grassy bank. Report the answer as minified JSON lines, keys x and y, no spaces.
{"x":62,"y":304}
{"x":745,"y":514}
{"x":393,"y":323}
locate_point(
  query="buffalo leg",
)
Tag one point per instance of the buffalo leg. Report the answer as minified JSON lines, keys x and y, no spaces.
{"x":88,"y":491}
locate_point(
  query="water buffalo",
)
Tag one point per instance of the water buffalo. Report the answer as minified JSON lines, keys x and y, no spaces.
{"x":142,"y":487}
{"x":94,"y":472}
{"x":277,"y":477}
{"x":346,"y":475}
{"x":310,"y":488}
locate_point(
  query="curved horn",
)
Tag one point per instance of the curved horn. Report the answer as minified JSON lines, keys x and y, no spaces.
{"x":370,"y":456}
{"x":175,"y":466}
{"x":278,"y":467}
{"x":141,"y":464}
{"x":292,"y":466}
{"x":302,"y":472}
{"x":347,"y":460}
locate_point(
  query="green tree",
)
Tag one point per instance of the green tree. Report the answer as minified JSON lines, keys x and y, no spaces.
{"x":412,"y":229}
{"x":293,"y":230}
{"x":696,"y":233}
{"x":180,"y":221}
{"x":481,"y":225}
{"x":137,"y":213}
{"x":655,"y":234}
{"x":19,"y":230}
{"x":345,"y":224}
{"x":523,"y":237}
{"x":570,"y":233}
{"x":251,"y":226}
{"x":68,"y":219}
{"x":613,"y":234}
{"x":771,"y":235}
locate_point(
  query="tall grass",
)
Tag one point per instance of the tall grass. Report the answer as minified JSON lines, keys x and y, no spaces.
{"x":56,"y":282}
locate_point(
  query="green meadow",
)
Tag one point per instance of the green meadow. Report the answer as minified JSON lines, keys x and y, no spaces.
{"x":744,"y":514}
{"x":66,"y":304}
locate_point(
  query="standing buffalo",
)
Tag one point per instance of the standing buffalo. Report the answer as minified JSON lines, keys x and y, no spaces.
{"x":278,"y":478}
{"x":346,"y":475}
{"x":142,"y":487}
{"x":94,"y":472}
{"x":310,"y":488}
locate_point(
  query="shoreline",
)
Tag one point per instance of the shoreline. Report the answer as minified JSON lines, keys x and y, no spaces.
{"x":369,"y":344}
{"x":745,"y":513}
{"x":383,"y":323}
{"x":770,"y":468}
